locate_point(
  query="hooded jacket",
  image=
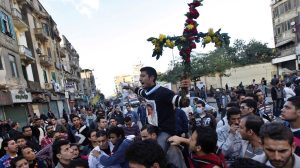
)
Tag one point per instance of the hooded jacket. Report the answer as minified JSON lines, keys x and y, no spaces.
{"x":207,"y":161}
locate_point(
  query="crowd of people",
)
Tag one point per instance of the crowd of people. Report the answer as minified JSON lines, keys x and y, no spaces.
{"x":165,"y":131}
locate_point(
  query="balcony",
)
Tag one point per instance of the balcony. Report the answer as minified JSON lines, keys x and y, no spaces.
{"x":26,"y":54}
{"x":34,"y":86}
{"x":18,"y":20}
{"x":287,"y":52}
{"x":63,"y":52}
{"x":41,"y":35}
{"x":45,"y":60}
{"x":74,"y":64}
{"x":48,"y":86}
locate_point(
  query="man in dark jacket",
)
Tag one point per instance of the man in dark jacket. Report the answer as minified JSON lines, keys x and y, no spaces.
{"x":141,"y":111}
{"x":203,"y":145}
{"x":79,"y":132}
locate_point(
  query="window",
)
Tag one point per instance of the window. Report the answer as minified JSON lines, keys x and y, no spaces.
{"x":49,"y":52}
{"x":34,"y":22}
{"x":45,"y":76}
{"x":46,"y":28}
{"x":53,"y":76}
{"x":7,"y":25}
{"x":1,"y":65}
{"x":13,"y":66}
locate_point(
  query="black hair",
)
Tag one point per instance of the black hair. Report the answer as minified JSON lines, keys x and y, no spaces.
{"x":251,"y":104}
{"x":78,"y":163}
{"x":232,"y":111}
{"x":150,"y":129}
{"x":99,"y":118}
{"x":74,"y":116}
{"x":24,"y":127}
{"x":201,"y":102}
{"x":101,"y":133}
{"x":250,"y":95}
{"x":118,"y":131}
{"x":13,"y":124}
{"x":247,"y":163}
{"x":295,"y":100}
{"x":21,"y":136}
{"x":91,"y":131}
{"x":150,"y":71}
{"x":207,"y":138}
{"x":127,"y":119}
{"x":5,"y":142}
{"x":288,"y":84}
{"x":13,"y":162}
{"x":233,"y":104}
{"x":276,"y":131}
{"x":146,"y":153}
{"x":56,"y":147}
{"x":254,"y":123}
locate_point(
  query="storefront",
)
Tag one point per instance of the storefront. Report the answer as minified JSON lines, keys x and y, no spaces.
{"x":19,"y":110}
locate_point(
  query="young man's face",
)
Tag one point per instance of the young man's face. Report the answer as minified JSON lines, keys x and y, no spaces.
{"x":243,"y":130}
{"x":76,"y":121}
{"x":23,"y":163}
{"x":66,"y":152}
{"x":245,"y":109}
{"x":21,"y":142}
{"x":234,"y":119}
{"x":278,"y":152}
{"x":102,"y":142}
{"x":146,"y":80}
{"x":28,"y":154}
{"x":103,"y":123}
{"x":27,"y":132}
{"x":12,"y":147}
{"x":146,"y":135}
{"x":93,"y":137}
{"x":113,"y":122}
{"x":260,"y":96}
{"x":289,"y":112}
{"x":114,"y":138}
{"x":75,"y":151}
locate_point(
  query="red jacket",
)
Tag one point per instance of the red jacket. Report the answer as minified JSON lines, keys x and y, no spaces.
{"x":207,"y":161}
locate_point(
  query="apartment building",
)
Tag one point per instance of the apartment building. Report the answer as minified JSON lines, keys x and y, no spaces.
{"x":73,"y":84}
{"x":88,"y":84}
{"x":285,"y":17}
{"x":13,"y":94}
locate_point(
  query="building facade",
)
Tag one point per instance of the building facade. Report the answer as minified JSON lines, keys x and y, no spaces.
{"x":285,"y":18}
{"x":39,"y":69}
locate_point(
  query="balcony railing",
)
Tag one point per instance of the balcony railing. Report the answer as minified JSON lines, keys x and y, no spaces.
{"x":45,"y":60}
{"x":25,"y":51}
{"x":26,"y":55}
{"x":18,"y":20}
{"x":41,"y":34}
{"x":286,"y":52}
{"x":34,"y":86}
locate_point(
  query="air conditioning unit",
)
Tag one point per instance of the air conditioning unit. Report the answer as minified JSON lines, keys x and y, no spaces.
{"x":293,"y":23}
{"x":293,"y":30}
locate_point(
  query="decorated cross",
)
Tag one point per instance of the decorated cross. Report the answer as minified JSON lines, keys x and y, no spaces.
{"x":187,"y":41}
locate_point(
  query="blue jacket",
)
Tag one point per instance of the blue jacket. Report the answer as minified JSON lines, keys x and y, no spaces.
{"x":5,"y":161}
{"x":118,"y":157}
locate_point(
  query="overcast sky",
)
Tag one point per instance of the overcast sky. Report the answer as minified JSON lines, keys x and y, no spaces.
{"x":110,"y":35}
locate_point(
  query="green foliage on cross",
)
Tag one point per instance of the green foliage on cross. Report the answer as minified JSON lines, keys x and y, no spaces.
{"x":187,"y":41}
